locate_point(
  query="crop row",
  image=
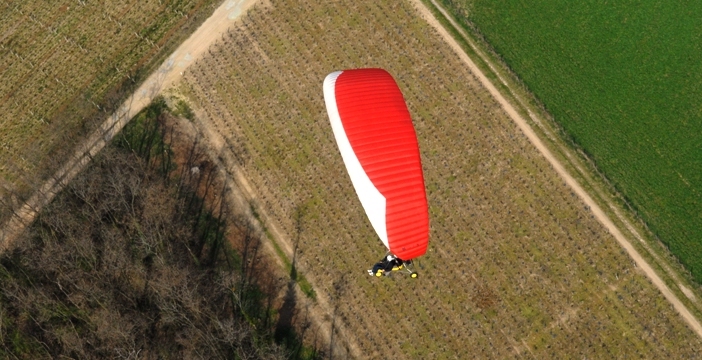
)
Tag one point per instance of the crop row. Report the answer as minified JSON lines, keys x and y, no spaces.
{"x":516,"y":263}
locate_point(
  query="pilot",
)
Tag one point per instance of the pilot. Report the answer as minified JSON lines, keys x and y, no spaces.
{"x":386,"y":265}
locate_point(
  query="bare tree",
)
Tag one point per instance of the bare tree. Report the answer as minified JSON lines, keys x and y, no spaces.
{"x":105,"y":271}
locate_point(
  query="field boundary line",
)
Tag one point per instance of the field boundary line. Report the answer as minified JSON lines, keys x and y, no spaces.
{"x":245,"y":194}
{"x":524,"y":126}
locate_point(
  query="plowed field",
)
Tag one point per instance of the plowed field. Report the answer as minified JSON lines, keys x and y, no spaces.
{"x":517,"y":265}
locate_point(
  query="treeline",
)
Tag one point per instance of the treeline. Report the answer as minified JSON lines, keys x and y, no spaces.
{"x":133,"y":260}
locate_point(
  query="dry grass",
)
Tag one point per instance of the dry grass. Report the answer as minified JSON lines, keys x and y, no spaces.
{"x":517,"y":265}
{"x":65,"y":64}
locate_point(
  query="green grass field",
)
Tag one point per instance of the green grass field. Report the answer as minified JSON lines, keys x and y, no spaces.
{"x":624,"y":80}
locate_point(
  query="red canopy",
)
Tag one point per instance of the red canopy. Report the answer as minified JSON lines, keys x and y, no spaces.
{"x":378,"y":144}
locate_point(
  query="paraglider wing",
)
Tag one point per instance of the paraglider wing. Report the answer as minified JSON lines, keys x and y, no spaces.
{"x":378,"y":144}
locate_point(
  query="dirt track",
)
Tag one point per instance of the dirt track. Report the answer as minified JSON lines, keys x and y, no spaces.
{"x":168,"y":74}
{"x":189,"y":51}
{"x":572,"y":183}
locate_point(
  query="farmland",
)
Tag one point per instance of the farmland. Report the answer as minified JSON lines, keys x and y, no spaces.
{"x":66,"y":65}
{"x":517,"y":264}
{"x":624,"y":81}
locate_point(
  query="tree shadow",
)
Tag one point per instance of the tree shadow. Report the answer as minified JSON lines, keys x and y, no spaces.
{"x":340,"y":285}
{"x":285,"y":326}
